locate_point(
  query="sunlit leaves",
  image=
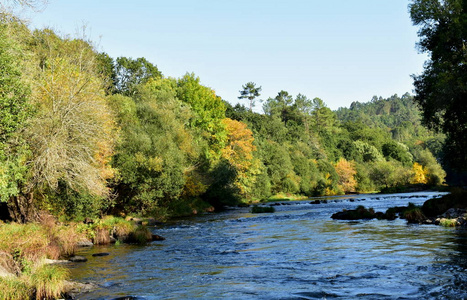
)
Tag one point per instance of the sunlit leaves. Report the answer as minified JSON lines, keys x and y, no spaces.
{"x":346,"y":171}
{"x":73,"y":132}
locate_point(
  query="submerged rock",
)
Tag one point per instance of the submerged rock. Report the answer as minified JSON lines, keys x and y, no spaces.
{"x":101,"y":254}
{"x":156,"y":237}
{"x":73,"y":289}
{"x":360,"y":213}
{"x":78,"y":258}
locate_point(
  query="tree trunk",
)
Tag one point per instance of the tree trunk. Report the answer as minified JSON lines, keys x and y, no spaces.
{"x":22,"y":208}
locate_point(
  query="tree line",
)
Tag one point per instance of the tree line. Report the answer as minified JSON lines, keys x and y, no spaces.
{"x":83,"y":134}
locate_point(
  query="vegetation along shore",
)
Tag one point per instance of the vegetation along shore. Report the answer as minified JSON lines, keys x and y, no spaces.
{"x":87,"y":140}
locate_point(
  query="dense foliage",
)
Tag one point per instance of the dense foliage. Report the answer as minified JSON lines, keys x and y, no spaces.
{"x":84,"y":134}
{"x":441,"y":89}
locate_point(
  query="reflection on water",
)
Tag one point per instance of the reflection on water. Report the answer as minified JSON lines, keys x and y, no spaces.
{"x":296,"y":253}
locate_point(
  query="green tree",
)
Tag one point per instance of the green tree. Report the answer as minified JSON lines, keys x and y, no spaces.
{"x":323,"y":117}
{"x":399,"y":152}
{"x":157,"y":148}
{"x":250,"y":91}
{"x":208,"y":112}
{"x":441,"y":89}
{"x":129,"y":73}
{"x":14,"y":112}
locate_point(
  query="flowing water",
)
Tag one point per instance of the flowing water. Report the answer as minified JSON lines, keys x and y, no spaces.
{"x":298,"y":252}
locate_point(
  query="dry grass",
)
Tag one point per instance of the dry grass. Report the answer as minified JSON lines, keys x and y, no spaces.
{"x":22,"y":250}
{"x":102,"y":236}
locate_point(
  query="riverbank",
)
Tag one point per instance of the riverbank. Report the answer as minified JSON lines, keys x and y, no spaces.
{"x":33,"y":256}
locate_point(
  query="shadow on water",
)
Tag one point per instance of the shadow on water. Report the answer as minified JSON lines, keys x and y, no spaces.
{"x":296,"y":253}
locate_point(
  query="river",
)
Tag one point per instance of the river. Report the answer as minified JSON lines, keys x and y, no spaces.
{"x":298,"y":252}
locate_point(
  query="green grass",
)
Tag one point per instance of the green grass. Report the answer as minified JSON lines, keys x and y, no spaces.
{"x":14,"y":288}
{"x":286,"y":197}
{"x":448,"y":222}
{"x":48,"y":281}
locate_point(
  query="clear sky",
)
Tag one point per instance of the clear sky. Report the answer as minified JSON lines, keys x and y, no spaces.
{"x":338,"y":50}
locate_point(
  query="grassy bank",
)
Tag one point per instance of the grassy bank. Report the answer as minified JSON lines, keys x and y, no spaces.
{"x":28,"y":252}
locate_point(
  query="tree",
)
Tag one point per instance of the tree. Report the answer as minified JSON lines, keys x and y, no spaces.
{"x":208,"y":109}
{"x":282,"y":106}
{"x":250,"y":91}
{"x":15,"y":110}
{"x":441,"y":89}
{"x":32,"y":4}
{"x":239,"y":153}
{"x":73,"y":131}
{"x":157,"y":147}
{"x":346,"y":171}
{"x":131,"y":72}
{"x":323,"y":117}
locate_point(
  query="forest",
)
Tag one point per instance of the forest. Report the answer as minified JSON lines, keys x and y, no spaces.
{"x":94,"y":148}
{"x":86,"y":135}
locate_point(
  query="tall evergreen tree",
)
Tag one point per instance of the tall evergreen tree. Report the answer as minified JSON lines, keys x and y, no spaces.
{"x":250,"y":91}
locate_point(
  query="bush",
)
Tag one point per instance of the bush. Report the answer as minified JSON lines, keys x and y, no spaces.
{"x":141,"y":235}
{"x":413,"y":214}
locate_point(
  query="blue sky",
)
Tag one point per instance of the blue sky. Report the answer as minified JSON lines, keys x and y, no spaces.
{"x":338,"y":50}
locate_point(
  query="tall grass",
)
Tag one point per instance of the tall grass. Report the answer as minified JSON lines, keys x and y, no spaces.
{"x":22,"y":250}
{"x":14,"y":288}
{"x":48,"y":281}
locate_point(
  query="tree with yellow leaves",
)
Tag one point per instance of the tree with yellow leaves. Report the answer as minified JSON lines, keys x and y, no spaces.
{"x":239,"y":152}
{"x":346,"y":171}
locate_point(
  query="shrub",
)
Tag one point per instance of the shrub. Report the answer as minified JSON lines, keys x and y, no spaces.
{"x":413,"y":214}
{"x":119,"y":228}
{"x":141,"y":235}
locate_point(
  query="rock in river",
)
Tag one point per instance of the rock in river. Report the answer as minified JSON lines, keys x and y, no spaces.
{"x":78,"y":258}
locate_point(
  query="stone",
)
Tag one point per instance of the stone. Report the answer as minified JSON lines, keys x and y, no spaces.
{"x":454,"y":213}
{"x":73,"y":289}
{"x":84,"y":243}
{"x":78,"y":258}
{"x":101,"y":254}
{"x":156,"y":237}
{"x":55,"y":261}
{"x":5,"y":273}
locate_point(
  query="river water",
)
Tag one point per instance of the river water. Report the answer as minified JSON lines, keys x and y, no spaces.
{"x":298,"y":252}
